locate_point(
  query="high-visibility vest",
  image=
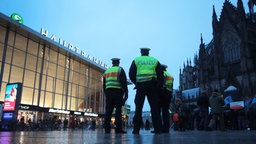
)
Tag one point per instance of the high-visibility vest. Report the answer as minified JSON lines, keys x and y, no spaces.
{"x":146,"y":68}
{"x":168,"y":81}
{"x":112,"y":77}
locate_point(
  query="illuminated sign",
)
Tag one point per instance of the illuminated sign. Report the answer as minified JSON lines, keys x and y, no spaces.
{"x":59,"y":111}
{"x":74,"y":48}
{"x":90,"y":114}
{"x":8,"y":115}
{"x":10,"y":97}
{"x":17,"y":17}
{"x":77,"y":113}
{"x":24,"y":107}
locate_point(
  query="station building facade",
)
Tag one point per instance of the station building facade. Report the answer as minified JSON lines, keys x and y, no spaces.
{"x":57,"y":82}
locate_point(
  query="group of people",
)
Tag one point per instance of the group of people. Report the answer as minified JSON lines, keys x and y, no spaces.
{"x":221,"y":116}
{"x":150,"y":79}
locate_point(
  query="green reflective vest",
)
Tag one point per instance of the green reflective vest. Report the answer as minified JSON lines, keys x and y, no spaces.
{"x":168,"y":81}
{"x":146,"y":68}
{"x":111,"y":75}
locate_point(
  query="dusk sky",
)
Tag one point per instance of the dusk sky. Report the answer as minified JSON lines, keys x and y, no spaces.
{"x":119,"y":28}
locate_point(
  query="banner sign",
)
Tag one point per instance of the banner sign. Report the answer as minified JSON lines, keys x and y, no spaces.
{"x":10,"y":97}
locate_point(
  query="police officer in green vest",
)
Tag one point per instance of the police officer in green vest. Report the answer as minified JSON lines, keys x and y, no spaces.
{"x":116,"y":91}
{"x":147,"y":75}
{"x":165,"y":99}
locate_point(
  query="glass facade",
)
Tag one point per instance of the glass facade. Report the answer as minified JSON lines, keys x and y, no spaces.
{"x":51,"y":77}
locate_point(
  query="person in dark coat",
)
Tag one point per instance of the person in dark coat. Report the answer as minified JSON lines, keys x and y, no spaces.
{"x":216,"y":104}
{"x":115,"y":87}
{"x":203,"y":103}
{"x":147,"y":74}
{"x":165,"y":99}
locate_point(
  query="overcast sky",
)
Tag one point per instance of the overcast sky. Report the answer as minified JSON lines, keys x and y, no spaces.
{"x":119,"y":28}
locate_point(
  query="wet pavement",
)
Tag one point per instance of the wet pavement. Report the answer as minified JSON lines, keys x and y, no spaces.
{"x":145,"y":137}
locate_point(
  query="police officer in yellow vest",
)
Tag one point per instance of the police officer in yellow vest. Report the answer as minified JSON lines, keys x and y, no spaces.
{"x":165,"y":99}
{"x":115,"y":87}
{"x":146,"y":73}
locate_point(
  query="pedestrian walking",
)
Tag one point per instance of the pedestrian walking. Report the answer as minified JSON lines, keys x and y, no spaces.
{"x":147,"y":74}
{"x":216,"y":104}
{"x":115,"y":87}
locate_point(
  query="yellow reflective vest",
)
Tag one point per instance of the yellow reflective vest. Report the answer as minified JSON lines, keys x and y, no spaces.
{"x":111,"y":75}
{"x":168,"y":81}
{"x":146,"y":68}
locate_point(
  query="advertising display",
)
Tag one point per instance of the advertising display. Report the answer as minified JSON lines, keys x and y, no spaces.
{"x":11,"y":105}
{"x":10,"y":97}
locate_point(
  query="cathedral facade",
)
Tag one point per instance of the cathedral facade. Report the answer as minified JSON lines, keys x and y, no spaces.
{"x":229,"y":59}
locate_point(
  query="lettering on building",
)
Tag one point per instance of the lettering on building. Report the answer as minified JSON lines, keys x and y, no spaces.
{"x":73,"y":48}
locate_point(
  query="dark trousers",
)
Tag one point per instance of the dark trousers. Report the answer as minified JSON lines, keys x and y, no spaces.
{"x":113,"y":100}
{"x":148,"y":89}
{"x":215,"y":117}
{"x":164,"y":105}
{"x":204,"y":117}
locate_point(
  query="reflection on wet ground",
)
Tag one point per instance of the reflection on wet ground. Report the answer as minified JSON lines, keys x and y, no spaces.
{"x":99,"y":137}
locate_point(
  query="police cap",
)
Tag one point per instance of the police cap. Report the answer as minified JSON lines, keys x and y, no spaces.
{"x":165,"y":66}
{"x":115,"y":59}
{"x":145,"y":49}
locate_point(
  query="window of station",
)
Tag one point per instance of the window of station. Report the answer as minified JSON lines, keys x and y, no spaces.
{"x":76,"y":66}
{"x":82,"y":80}
{"x":37,"y":78}
{"x":53,"y":56}
{"x":62,"y":60}
{"x":73,"y":103}
{"x":8,"y":57}
{"x":68,"y":102}
{"x":11,"y":38}
{"x":16,"y":74}
{"x":2,"y":94}
{"x":52,"y":69}
{"x":31,"y":62}
{"x":39,"y":64}
{"x":57,"y":101}
{"x":2,"y":34}
{"x":50,"y":84}
{"x":48,"y":99}
{"x":20,"y":42}
{"x":32,"y":47}
{"x":42,"y":99}
{"x":43,"y":86}
{"x":35,"y":98}
{"x":18,"y":58}
{"x":60,"y":72}
{"x":29,"y":78}
{"x":75,"y":77}
{"x":59,"y":86}
{"x":81,"y":92}
{"x":1,"y":53}
{"x":27,"y":96}
{"x":83,"y":68}
{"x":6,"y":72}
{"x":80,"y":105}
{"x":73,"y":89}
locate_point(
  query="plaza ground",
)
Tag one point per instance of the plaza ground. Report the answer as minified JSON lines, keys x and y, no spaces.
{"x":145,"y":137}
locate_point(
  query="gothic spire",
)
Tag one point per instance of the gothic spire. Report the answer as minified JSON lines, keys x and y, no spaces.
{"x":202,"y":46}
{"x":240,"y":8}
{"x":214,"y":21}
{"x":201,"y":39}
{"x":214,"y":16}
